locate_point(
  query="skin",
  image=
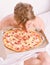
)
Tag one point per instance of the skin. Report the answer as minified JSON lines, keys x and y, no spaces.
{"x":42,"y":59}
{"x":35,"y":23}
{"x":30,"y":25}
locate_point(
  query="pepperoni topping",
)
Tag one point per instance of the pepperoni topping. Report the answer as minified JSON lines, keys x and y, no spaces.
{"x":17,"y":48}
{"x":27,"y":40}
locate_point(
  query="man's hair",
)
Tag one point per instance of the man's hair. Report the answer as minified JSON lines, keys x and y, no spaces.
{"x":23,"y":12}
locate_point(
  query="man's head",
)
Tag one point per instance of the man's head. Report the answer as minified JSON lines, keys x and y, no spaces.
{"x":23,"y":12}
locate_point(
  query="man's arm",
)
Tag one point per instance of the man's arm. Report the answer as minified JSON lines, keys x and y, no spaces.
{"x":40,"y":24}
{"x":7,"y":21}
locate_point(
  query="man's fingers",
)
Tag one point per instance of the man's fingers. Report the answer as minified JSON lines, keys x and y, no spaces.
{"x":32,"y":61}
{"x":42,"y":56}
{"x":36,"y":61}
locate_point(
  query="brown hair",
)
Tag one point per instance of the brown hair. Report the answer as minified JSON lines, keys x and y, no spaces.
{"x":23,"y":12}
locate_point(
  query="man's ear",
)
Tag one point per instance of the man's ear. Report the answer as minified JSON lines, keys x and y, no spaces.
{"x":30,"y":7}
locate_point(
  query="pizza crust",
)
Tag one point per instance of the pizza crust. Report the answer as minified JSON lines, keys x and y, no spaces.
{"x":19,"y":40}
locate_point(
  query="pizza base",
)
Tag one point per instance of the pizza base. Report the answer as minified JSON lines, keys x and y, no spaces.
{"x":23,"y":46}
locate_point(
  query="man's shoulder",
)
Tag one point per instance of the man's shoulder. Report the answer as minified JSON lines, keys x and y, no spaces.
{"x":8,"y":17}
{"x":38,"y":18}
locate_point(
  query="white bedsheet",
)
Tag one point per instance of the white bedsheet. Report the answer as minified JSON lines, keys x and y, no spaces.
{"x":46,"y":19}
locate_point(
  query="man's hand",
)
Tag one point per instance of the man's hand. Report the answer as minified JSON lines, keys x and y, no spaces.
{"x":42,"y":59}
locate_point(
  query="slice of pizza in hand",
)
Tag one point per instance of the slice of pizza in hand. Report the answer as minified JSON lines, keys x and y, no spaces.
{"x":19,"y":40}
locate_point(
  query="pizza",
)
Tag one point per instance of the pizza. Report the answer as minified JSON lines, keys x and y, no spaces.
{"x":19,"y":40}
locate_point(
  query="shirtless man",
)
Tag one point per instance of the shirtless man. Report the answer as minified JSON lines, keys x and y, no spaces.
{"x":23,"y":17}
